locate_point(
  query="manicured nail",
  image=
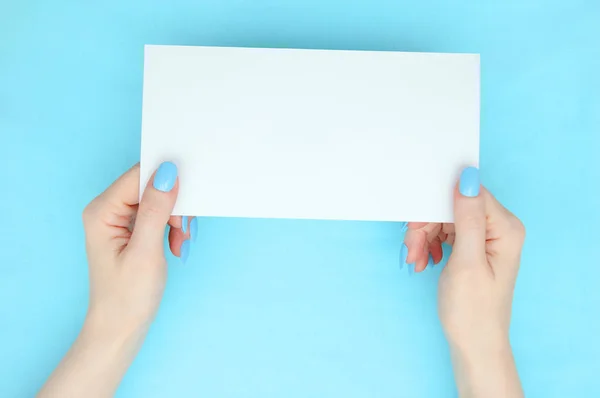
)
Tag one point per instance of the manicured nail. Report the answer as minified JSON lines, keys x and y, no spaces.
{"x":469,"y":182}
{"x":194,"y":229}
{"x":165,"y":177}
{"x":404,"y":227}
{"x":403,"y":255}
{"x":185,"y":251}
{"x":184,"y":223}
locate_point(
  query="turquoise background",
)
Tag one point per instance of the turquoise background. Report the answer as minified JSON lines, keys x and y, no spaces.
{"x":281,"y":308}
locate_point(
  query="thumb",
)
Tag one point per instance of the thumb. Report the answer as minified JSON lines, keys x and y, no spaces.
{"x":469,"y":216}
{"x":155,"y":209}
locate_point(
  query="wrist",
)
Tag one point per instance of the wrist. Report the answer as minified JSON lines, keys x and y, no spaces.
{"x":487,"y":345}
{"x":481,"y":355}
{"x":114,"y":321}
{"x":117,"y":339}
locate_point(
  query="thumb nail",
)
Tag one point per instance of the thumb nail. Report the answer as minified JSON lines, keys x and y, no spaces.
{"x":469,"y":182}
{"x":165,"y":177}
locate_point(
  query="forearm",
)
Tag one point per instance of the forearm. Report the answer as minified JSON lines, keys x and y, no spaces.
{"x":486,"y":373}
{"x":96,"y":363}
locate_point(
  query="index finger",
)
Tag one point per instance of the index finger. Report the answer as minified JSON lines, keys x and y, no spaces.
{"x":111,"y":213}
{"x":125,"y":190}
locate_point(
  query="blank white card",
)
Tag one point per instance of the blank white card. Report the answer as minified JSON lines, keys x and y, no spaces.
{"x":311,"y":134}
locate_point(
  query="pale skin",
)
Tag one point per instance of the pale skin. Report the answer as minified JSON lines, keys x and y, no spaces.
{"x":128,"y":271}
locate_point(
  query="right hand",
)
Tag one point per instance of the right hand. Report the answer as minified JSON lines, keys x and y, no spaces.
{"x":476,"y":286}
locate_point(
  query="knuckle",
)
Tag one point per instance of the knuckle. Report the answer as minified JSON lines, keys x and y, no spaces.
{"x":517,"y":228}
{"x":90,"y":212}
{"x":473,"y":221}
{"x":149,"y":211}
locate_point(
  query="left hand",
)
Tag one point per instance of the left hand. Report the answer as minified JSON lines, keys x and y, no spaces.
{"x":124,"y":242}
{"x":128,"y":273}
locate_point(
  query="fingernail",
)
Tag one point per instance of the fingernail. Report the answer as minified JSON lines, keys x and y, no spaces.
{"x":469,"y":182}
{"x":165,"y":177}
{"x":194,"y":229}
{"x":184,"y":223}
{"x":403,"y":256}
{"x":404,"y":227}
{"x":185,"y":251}
{"x":430,"y":262}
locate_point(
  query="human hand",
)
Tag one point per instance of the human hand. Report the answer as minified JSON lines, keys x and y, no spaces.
{"x":476,"y":287}
{"x":128,"y":271}
{"x":124,"y":242}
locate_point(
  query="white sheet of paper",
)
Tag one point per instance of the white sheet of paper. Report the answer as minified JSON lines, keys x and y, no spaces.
{"x":311,"y":134}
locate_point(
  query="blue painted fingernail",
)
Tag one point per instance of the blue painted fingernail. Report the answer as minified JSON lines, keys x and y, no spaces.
{"x":185,"y":251}
{"x":403,"y":255}
{"x":194,"y":229}
{"x":469,"y":182}
{"x":404,"y":227}
{"x":184,"y":223}
{"x":165,"y":177}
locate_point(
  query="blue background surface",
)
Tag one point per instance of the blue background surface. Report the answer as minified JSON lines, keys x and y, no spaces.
{"x":273,"y":308}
